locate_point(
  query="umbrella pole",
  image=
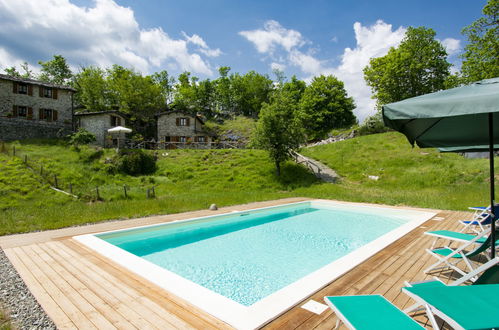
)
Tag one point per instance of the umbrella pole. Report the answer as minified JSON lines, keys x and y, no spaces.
{"x":492,"y":188}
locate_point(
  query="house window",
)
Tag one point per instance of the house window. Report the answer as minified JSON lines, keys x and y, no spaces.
{"x":22,"y":88}
{"x":201,"y":139}
{"x":22,"y":111}
{"x":47,"y":92}
{"x":48,"y":114}
{"x":167,"y":139}
{"x":182,"y":121}
{"x":115,"y":121}
{"x":182,"y":139}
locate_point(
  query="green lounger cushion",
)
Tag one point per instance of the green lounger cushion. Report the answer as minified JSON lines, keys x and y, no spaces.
{"x":445,"y":252}
{"x":472,"y":307}
{"x":370,"y":312}
{"x":455,"y":235}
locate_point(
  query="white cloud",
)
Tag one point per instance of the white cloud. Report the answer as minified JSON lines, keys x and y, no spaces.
{"x":272,"y":35}
{"x":277,"y":66}
{"x":103,"y":34}
{"x":203,"y":47}
{"x":452,"y":46}
{"x":372,"y":41}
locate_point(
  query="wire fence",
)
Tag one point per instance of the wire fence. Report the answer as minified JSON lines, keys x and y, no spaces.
{"x":56,"y":182}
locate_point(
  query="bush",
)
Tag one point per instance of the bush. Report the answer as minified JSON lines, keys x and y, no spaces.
{"x":81,"y":137}
{"x":135,"y":162}
{"x":373,"y":125}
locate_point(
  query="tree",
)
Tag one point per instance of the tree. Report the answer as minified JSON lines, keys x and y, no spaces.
{"x":224,"y":99}
{"x":92,"y":89}
{"x":279,"y":128}
{"x":12,"y":71}
{"x":250,"y":91}
{"x":55,"y":71}
{"x":295,"y":88}
{"x":418,"y":66}
{"x":136,"y":95}
{"x":324,"y":106}
{"x":167,"y":84}
{"x":481,"y":54}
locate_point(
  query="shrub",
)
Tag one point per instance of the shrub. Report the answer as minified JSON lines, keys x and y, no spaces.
{"x":135,"y":162}
{"x":373,"y":125}
{"x":81,"y":137}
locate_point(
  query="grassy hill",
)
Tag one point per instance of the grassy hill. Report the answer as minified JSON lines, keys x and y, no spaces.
{"x":193,"y":179}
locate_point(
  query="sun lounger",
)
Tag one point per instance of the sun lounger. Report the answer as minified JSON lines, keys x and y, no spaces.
{"x":462,"y":307}
{"x":449,"y":257}
{"x":480,"y":218}
{"x":369,"y":312}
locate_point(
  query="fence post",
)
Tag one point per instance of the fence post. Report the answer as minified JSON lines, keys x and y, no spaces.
{"x":55,"y":181}
{"x":97,"y":192}
{"x":41,"y":169}
{"x":70,"y":188}
{"x":124,"y":190}
{"x":25,"y":159}
{"x":153,"y":192}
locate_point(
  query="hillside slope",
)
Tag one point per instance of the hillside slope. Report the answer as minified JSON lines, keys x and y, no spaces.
{"x":193,"y":179}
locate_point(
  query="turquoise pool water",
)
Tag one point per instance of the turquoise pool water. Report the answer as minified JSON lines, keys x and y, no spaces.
{"x":246,"y":257}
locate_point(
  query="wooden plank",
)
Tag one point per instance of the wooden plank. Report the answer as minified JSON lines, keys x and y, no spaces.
{"x":147,"y":308}
{"x":76,"y":316}
{"x":107,"y":290}
{"x":56,"y":314}
{"x":42,"y":261}
{"x":151,"y":297}
{"x":94,"y":298}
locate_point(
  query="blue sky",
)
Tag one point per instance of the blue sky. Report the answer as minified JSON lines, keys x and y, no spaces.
{"x":302,"y":38}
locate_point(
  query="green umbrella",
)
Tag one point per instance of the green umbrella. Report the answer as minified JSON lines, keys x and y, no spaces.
{"x":459,"y":119}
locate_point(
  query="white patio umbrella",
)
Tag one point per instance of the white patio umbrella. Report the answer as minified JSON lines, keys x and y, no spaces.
{"x":119,"y":130}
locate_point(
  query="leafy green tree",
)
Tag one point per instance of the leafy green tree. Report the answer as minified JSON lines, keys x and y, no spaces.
{"x":167,"y":84}
{"x":28,"y":73}
{"x":279,"y":128}
{"x":81,"y":137}
{"x":324,"y":106}
{"x":136,"y":95}
{"x":92,"y":89}
{"x":224,"y":99}
{"x":250,"y":91}
{"x":56,"y":71}
{"x":417,"y":66}
{"x":481,"y":54}
{"x":295,"y":88}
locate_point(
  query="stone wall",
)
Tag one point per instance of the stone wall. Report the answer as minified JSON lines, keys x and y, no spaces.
{"x":98,"y":124}
{"x":167,"y":126}
{"x":34,"y":126}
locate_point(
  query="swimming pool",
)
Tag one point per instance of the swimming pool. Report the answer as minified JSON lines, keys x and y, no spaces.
{"x":248,"y":267}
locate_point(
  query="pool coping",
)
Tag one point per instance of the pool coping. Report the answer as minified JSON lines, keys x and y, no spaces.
{"x":271,"y":307}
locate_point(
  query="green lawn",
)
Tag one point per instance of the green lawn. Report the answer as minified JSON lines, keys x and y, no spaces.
{"x":193,"y":179}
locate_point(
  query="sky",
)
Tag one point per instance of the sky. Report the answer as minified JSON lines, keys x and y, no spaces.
{"x":302,"y":38}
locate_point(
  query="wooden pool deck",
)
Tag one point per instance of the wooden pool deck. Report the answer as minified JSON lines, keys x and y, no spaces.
{"x":80,"y":289}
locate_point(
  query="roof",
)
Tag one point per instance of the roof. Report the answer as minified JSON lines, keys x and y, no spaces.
{"x":96,"y":113}
{"x":35,"y":82}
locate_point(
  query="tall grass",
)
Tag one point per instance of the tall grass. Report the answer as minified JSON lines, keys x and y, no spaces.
{"x":193,"y":179}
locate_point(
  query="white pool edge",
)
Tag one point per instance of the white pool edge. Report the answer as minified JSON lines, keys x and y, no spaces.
{"x":270,"y":307}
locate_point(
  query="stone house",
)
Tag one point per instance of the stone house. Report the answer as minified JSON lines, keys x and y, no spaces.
{"x":34,"y":109}
{"x":98,"y":123}
{"x":176,"y":128}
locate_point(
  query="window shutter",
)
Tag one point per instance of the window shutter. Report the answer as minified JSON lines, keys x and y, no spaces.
{"x":178,"y":121}
{"x":40,"y":91}
{"x":30,"y":90}
{"x":54,"y":93}
{"x":40,"y":113}
{"x":14,"y":111}
{"x":111,"y":123}
{"x":30,"y":113}
{"x":118,"y":121}
{"x":187,"y":121}
{"x":54,"y":114}
{"x":14,"y":87}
